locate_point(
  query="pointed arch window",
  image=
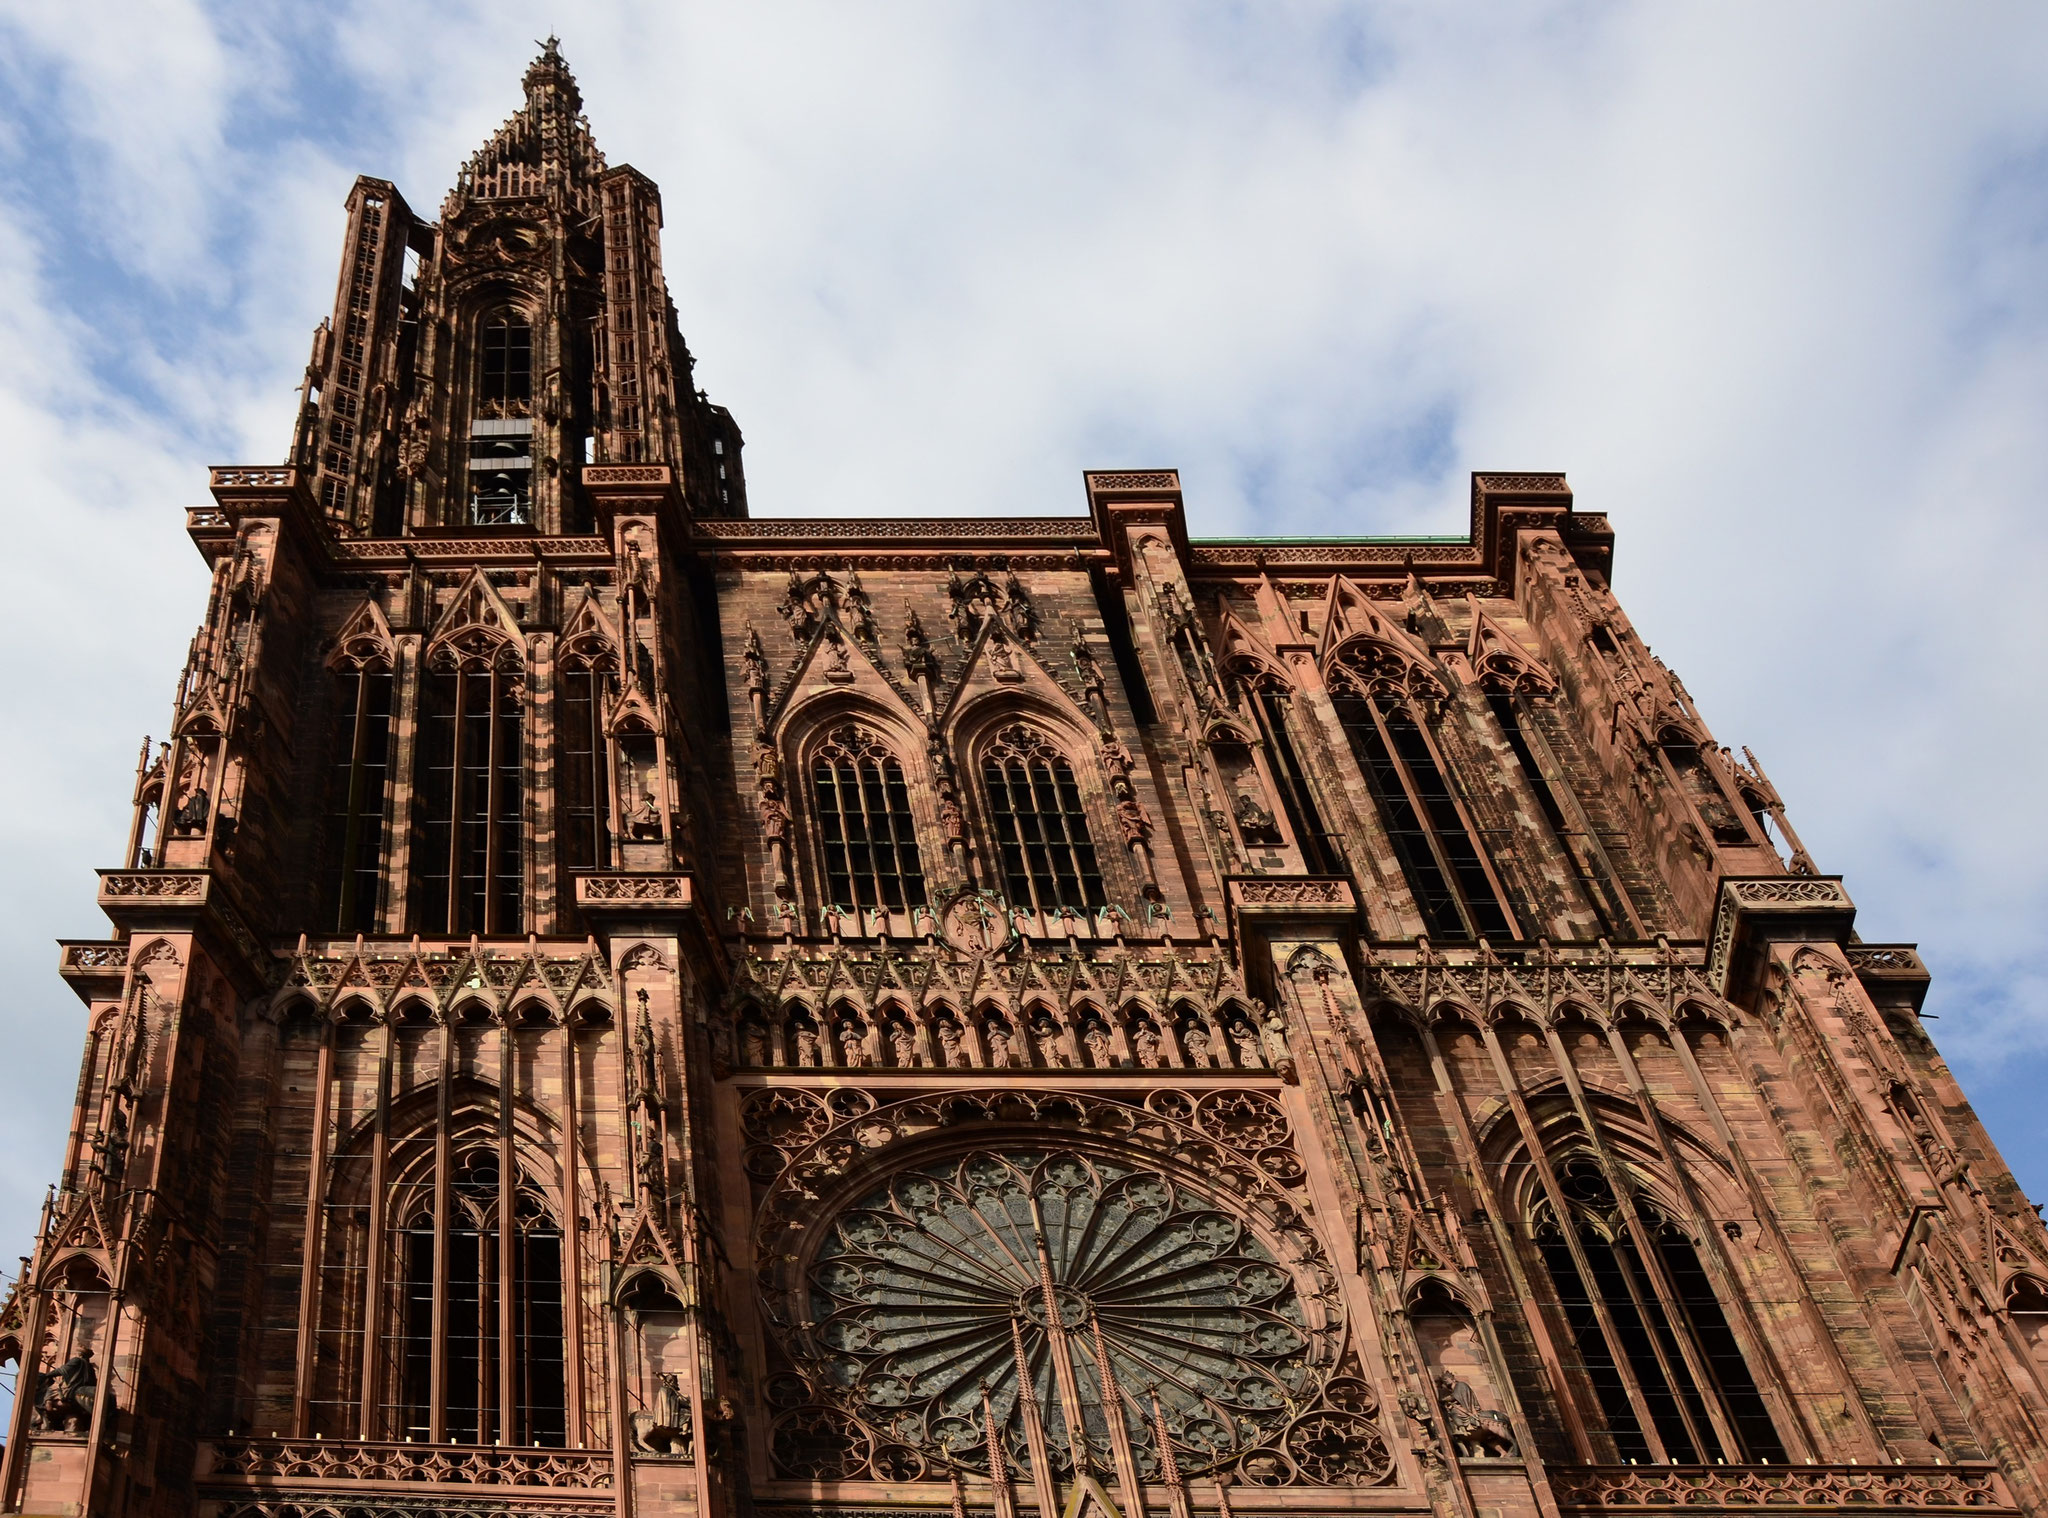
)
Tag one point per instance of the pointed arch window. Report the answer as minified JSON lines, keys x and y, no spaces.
{"x":1440,"y":855}
{"x":358,"y":781}
{"x":586,"y":684}
{"x":493,"y":1283}
{"x":505,"y":358}
{"x":471,"y":871}
{"x":1271,"y":704}
{"x":1665,"y":1366}
{"x":866,"y":835}
{"x":1041,"y":828}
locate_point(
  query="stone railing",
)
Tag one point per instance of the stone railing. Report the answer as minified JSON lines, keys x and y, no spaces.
{"x":1912,"y":1488}
{"x":271,"y":1462}
{"x":603,"y":890}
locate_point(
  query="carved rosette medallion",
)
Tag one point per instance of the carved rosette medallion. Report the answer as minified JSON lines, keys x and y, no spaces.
{"x":909,"y":1265}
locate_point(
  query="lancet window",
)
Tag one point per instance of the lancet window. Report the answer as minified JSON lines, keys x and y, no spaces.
{"x":357,"y":785}
{"x":585,"y":686}
{"x":866,"y":835}
{"x":501,"y":430}
{"x":1440,"y":856}
{"x":1043,"y":846}
{"x":1271,"y":707}
{"x":1552,"y":799}
{"x":471,"y":873}
{"x":480,"y":1305}
{"x":1665,"y":1366}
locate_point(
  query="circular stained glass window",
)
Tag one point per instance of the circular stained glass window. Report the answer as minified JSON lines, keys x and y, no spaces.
{"x":1026,"y":1275}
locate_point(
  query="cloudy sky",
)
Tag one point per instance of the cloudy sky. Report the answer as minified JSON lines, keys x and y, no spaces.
{"x":1767,"y":281}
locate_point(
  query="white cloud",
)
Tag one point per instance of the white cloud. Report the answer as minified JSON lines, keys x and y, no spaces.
{"x":1764,"y":280}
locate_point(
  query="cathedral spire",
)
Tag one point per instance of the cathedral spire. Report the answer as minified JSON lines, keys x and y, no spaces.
{"x":544,"y":150}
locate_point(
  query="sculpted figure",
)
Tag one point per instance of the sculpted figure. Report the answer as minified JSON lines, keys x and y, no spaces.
{"x":642,"y":819}
{"x":1477,"y":1432}
{"x":1246,"y":1042}
{"x":665,"y":1428}
{"x":1195,"y":1039}
{"x":1047,"y":1032}
{"x":1097,"y":1039}
{"x":68,"y":1393}
{"x":902,"y":1044}
{"x":949,"y":1044}
{"x":1146,"y":1041}
{"x":998,"y":1034}
{"x":853,"y":1048}
{"x":754,"y":1044}
{"x":806,"y":1044}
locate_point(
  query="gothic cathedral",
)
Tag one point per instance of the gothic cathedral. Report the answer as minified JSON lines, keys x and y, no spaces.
{"x":616,"y":1006}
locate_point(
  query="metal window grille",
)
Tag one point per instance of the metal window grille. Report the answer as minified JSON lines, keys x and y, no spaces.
{"x":1041,"y":829}
{"x":866,"y":835}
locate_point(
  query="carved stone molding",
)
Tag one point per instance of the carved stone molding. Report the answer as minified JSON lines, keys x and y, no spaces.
{"x":1896,"y":1488}
{"x":1752,"y":911}
{"x":600,"y":891}
{"x":278,"y":1461}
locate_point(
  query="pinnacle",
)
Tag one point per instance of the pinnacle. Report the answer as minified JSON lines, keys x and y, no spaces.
{"x":549,"y":75}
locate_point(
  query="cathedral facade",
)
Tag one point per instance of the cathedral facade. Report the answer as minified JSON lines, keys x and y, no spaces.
{"x":619,"y":1006}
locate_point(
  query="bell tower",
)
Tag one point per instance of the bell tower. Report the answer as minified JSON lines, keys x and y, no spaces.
{"x":473,"y":365}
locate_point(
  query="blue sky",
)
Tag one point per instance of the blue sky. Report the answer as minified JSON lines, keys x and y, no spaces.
{"x":1768,"y":282}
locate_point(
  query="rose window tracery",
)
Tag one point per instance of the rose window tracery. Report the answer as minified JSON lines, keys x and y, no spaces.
{"x":1018,"y":1272}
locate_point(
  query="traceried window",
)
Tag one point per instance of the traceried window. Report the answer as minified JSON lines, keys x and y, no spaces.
{"x":357,"y":784}
{"x":1272,"y":706}
{"x":866,"y":836}
{"x":585,"y":776}
{"x":1670,"y":1378}
{"x":495,"y":1374}
{"x":1553,"y":797}
{"x":1453,"y":885}
{"x":505,"y":359}
{"x":471,"y":871}
{"x":1041,"y":828}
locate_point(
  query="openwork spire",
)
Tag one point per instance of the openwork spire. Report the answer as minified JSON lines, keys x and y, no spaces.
{"x":544,"y":151}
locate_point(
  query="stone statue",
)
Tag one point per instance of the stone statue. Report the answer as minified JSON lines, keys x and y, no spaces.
{"x":998,"y":1035}
{"x":1246,"y":1041}
{"x":1096,"y":1037}
{"x":903,"y":1044}
{"x":949,"y":1044}
{"x":853,"y":1046}
{"x":753,"y":1044}
{"x":806,"y":1044}
{"x":1477,"y":1433}
{"x":1195,"y":1039}
{"x":643,"y":818}
{"x":665,"y":1429}
{"x":68,"y":1393}
{"x":1146,"y":1041}
{"x":1047,"y":1032}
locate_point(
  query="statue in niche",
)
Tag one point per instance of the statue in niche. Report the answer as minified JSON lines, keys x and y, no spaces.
{"x":1477,"y":1433}
{"x":754,"y":1045}
{"x":191,"y":814}
{"x":853,"y":1046}
{"x":1047,"y":1032}
{"x":1245,"y":1040}
{"x":665,"y":1428}
{"x":998,"y":1035}
{"x":1273,"y":1043}
{"x":1256,"y":822}
{"x":949,"y":1044}
{"x":68,"y":1394}
{"x":643,"y":818}
{"x":1096,"y":1037}
{"x":902,"y":1044}
{"x":1146,"y":1041}
{"x":1195,"y":1039}
{"x":806,"y":1045}
{"x":1002,"y":660}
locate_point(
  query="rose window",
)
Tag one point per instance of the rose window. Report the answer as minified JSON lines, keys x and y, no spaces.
{"x":1021,"y":1273}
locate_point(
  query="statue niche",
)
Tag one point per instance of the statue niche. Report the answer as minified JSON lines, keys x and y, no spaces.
{"x":1474,"y":1412}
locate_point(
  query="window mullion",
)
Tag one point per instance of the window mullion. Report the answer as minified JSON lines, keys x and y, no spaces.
{"x":1423,"y":821}
{"x":352,"y":807}
{"x":1672,"y":1310}
{"x":1011,"y":779}
{"x":1647,"y":1310}
{"x":873,"y":882}
{"x":1464,"y":815}
{"x":456,"y":746}
{"x":492,"y":845}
